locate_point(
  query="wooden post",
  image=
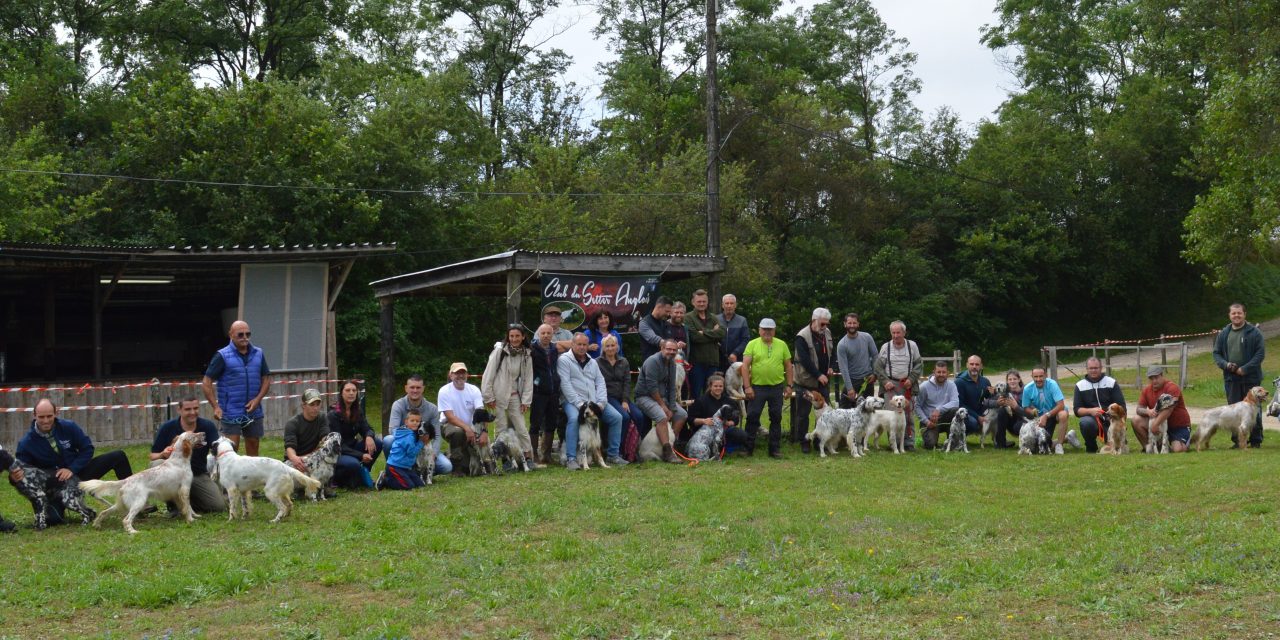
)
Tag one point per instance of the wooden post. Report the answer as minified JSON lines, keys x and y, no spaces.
{"x":386,"y":326}
{"x":331,"y":344}
{"x":513,"y":298}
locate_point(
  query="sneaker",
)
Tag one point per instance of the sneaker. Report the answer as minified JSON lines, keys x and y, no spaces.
{"x":805,"y":446}
{"x":382,"y":477}
{"x":330,"y":493}
{"x":572,"y":464}
{"x":508,"y":466}
{"x":533,"y":466}
{"x":617,"y":461}
{"x":1073,"y":439}
{"x":1057,"y":448}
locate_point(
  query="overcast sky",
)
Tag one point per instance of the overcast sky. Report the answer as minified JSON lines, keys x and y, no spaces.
{"x":954,"y":68}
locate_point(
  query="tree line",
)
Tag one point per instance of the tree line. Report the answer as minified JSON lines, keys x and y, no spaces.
{"x":1134,"y":171}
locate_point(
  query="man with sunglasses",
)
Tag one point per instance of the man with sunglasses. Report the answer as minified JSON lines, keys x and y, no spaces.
{"x":243,"y":378}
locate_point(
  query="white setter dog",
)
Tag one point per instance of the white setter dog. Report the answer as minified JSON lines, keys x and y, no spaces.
{"x":892,"y":421}
{"x":827,"y":433}
{"x":242,"y":475}
{"x":1118,"y":431}
{"x":733,"y":387}
{"x":1236,"y":419}
{"x":170,"y":480}
{"x":1159,"y":443}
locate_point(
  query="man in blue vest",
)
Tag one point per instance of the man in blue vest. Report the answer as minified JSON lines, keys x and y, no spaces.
{"x":243,"y":378}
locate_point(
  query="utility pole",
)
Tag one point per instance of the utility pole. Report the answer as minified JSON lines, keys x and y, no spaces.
{"x":713,"y":158}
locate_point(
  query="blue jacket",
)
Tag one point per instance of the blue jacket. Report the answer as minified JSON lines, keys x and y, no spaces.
{"x":736,"y":335}
{"x":75,"y":449}
{"x":594,"y":337}
{"x":972,"y":393}
{"x":240,"y":381}
{"x":404,"y":448}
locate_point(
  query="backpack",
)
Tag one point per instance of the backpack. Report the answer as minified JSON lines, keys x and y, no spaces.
{"x":630,"y":443}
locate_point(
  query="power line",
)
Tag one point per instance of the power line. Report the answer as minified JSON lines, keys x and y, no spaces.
{"x":426,"y":191}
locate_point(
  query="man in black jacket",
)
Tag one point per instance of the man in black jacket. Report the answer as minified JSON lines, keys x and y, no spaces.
{"x":1094,"y":393}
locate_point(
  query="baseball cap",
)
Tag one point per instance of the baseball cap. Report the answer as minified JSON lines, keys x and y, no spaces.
{"x":551,"y":309}
{"x":456,"y":367}
{"x":311,"y":395}
{"x":1155,"y":370}
{"x":768,"y":323}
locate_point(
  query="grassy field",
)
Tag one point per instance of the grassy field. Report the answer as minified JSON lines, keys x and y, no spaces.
{"x":925,"y":545}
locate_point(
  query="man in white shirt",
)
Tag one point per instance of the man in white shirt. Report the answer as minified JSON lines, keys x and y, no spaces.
{"x":458,"y":401}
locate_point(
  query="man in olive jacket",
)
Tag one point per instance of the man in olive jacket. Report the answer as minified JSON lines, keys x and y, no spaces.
{"x":705,"y":334}
{"x":1238,"y":351}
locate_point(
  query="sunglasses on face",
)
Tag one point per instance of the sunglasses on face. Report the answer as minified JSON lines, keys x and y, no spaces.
{"x":244,"y":334}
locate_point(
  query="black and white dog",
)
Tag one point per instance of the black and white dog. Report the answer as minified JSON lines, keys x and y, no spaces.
{"x":1160,"y":443}
{"x":708,"y":441}
{"x":35,"y":484}
{"x":956,"y":437}
{"x":480,"y":458}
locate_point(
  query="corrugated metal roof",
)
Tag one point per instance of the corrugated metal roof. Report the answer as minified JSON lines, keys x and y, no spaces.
{"x":68,"y":252}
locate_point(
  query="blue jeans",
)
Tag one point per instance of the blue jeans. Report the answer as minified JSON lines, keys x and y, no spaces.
{"x":635,"y":416}
{"x":612,"y":420}
{"x":443,"y":465}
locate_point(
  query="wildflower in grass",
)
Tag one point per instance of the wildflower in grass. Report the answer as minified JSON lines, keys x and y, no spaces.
{"x":959,"y":618}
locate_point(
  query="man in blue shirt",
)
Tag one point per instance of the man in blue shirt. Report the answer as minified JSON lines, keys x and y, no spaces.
{"x":1043,"y":401}
{"x":243,"y":377}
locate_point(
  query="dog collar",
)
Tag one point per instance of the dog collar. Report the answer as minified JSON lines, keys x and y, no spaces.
{"x":223,"y":453}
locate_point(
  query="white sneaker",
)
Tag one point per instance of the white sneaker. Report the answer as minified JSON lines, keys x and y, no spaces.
{"x":1074,"y":439}
{"x":1057,"y":448}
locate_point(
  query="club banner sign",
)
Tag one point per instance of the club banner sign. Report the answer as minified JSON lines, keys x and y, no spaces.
{"x":627,"y":298}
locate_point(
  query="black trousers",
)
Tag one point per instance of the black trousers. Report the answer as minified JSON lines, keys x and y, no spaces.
{"x":546,"y":416}
{"x":1007,"y":424}
{"x":771,"y":395}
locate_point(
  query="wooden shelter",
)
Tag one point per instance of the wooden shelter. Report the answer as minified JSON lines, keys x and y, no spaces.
{"x":113,"y":333}
{"x":510,"y":275}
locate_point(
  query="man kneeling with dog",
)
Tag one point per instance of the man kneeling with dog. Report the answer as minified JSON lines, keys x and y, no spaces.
{"x":206,"y":495}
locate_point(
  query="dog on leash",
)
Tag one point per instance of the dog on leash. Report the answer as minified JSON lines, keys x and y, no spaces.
{"x":856,"y":438}
{"x":708,"y":441}
{"x":1033,"y":439}
{"x":170,"y":480}
{"x":831,"y":426}
{"x":32,"y":487}
{"x":242,"y":475}
{"x":590,"y":446}
{"x":1159,"y":443}
{"x":322,"y":462}
{"x":1236,"y":419}
{"x":1117,"y":431}
{"x":892,"y":421}
{"x":956,"y":436}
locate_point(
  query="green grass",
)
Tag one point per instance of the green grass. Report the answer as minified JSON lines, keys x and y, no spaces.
{"x":1204,"y":379}
{"x":925,"y":545}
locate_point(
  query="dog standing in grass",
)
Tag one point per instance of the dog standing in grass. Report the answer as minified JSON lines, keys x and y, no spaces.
{"x":1237,"y":419}
{"x":169,"y":481}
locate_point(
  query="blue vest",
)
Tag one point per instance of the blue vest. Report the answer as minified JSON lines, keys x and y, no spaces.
{"x":240,"y":381}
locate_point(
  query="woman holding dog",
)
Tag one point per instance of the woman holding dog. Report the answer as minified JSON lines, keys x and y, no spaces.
{"x":705,"y":407}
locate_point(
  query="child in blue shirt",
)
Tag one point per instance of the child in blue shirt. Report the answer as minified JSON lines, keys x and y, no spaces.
{"x":408,"y":441}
